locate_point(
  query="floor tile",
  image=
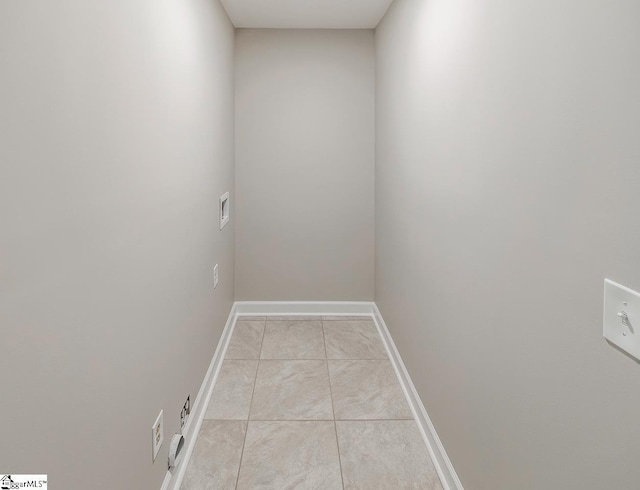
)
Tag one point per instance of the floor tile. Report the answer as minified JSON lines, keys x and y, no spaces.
{"x":246,"y":340}
{"x":290,"y":455}
{"x":353,"y":340}
{"x":366,"y":390}
{"x":292,"y":390}
{"x":293,"y":340}
{"x":216,"y":456}
{"x":231,"y":398}
{"x":345,"y":317}
{"x":385,"y":454}
{"x":300,"y":318}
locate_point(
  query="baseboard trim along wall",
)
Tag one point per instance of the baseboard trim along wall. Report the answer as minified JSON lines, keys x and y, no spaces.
{"x":441,"y":461}
{"x":173,"y":479}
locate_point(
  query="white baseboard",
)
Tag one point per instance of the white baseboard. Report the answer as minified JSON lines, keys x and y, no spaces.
{"x":173,"y":479}
{"x":441,"y":461}
{"x":167,"y":481}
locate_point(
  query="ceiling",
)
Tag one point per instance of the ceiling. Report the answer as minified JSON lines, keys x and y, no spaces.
{"x":306,"y":14}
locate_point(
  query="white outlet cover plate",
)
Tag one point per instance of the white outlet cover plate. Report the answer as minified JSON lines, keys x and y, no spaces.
{"x":618,"y":299}
{"x":157,"y":435}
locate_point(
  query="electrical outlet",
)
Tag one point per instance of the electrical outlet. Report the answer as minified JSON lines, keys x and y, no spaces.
{"x":215,"y":276}
{"x":157,"y":435}
{"x":184,"y":413}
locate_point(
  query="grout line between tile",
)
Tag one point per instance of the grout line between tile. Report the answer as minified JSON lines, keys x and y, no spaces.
{"x":349,"y":320}
{"x":379,"y":359}
{"x":335,"y":428}
{"x":308,"y":359}
{"x":324,"y":343}
{"x":295,"y":359}
{"x":322,"y":420}
{"x":294,"y":320}
{"x":255,"y":381}
{"x":312,"y":420}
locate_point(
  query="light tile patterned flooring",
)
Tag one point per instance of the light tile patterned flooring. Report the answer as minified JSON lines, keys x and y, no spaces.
{"x":308,"y":403}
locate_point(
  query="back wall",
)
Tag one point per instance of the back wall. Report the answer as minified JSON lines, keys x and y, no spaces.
{"x":304,"y":164}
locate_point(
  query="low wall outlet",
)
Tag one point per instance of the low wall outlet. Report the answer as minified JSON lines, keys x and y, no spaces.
{"x":215,"y":276}
{"x":184,"y":413}
{"x":157,"y":435}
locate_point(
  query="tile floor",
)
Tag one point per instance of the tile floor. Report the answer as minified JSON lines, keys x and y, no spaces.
{"x":308,"y":403}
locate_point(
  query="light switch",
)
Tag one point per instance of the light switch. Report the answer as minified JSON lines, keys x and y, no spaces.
{"x":622,"y":317}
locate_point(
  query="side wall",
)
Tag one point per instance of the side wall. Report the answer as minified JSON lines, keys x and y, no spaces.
{"x":304,"y":164}
{"x":507,"y":174}
{"x":116,"y":139}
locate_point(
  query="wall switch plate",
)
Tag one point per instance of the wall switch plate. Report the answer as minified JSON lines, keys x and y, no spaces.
{"x":215,"y":276}
{"x":621,"y":324}
{"x":224,"y":210}
{"x":157,"y":435}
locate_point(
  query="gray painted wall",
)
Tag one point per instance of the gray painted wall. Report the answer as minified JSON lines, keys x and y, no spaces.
{"x":116,"y":140}
{"x":304,"y":164}
{"x":507,"y":173}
